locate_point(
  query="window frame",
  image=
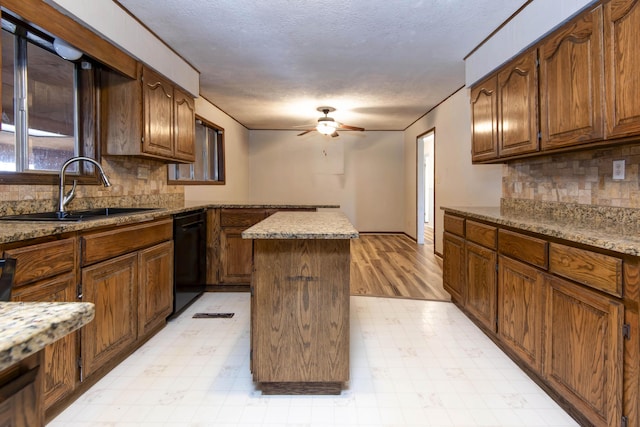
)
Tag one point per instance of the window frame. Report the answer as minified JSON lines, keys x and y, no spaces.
{"x":221,"y":159}
{"x":87,"y":117}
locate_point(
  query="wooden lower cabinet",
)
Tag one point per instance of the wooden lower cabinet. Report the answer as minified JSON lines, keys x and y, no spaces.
{"x":112,"y":286}
{"x":480,"y":292}
{"x":155,"y":282}
{"x":521,"y":292}
{"x":453,"y":273}
{"x":235,"y":256}
{"x":60,"y":372}
{"x":584,"y":350}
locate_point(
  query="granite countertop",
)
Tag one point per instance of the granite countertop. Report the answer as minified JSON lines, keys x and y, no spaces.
{"x":303,"y":225}
{"x":27,"y":327}
{"x":13,"y":231}
{"x":593,"y":230}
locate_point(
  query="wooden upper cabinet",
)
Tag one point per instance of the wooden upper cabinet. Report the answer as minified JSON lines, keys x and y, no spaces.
{"x":518,"y":106}
{"x":571,"y":83}
{"x":185,"y":126}
{"x":146,"y":117}
{"x":484,"y":132}
{"x":157,"y":95}
{"x":622,"y":62}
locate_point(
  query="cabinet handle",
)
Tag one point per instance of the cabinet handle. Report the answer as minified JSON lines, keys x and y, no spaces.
{"x":9,"y":390}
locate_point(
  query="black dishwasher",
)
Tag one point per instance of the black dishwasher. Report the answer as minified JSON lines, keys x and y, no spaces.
{"x":189,"y":258}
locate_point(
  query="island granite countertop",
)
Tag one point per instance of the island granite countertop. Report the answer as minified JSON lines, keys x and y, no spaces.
{"x":602,"y":231}
{"x":303,"y":225}
{"x":27,"y":327}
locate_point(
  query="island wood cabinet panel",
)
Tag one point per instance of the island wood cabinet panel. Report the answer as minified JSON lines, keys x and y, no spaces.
{"x":20,"y":389}
{"x":112,"y":286}
{"x":584,"y":350}
{"x":521,"y":310}
{"x":146,"y":117}
{"x":300,"y":315}
{"x":60,"y":367}
{"x":622,"y":62}
{"x":484,"y":127}
{"x":480,"y":291}
{"x":518,"y":106}
{"x":572,"y":84}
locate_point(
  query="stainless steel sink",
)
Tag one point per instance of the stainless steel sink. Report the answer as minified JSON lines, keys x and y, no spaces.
{"x":79,"y":215}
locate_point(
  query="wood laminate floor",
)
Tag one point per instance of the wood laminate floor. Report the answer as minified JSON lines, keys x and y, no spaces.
{"x":393,"y":265}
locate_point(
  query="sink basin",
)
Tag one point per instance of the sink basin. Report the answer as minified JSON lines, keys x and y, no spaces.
{"x":79,"y":215}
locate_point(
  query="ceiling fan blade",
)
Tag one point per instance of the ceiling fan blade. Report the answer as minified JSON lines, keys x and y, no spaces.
{"x":334,"y":134}
{"x":306,"y":132}
{"x":347,"y":127}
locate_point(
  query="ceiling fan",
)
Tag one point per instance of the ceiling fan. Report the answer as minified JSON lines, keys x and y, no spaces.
{"x":328,"y":126}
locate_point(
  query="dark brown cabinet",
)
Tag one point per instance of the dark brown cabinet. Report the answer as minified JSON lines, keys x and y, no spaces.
{"x":480,"y":290}
{"x":453,"y":272}
{"x":518,"y":106}
{"x":21,"y":389}
{"x":155,"y":286}
{"x":148,"y":117}
{"x":484,"y":126}
{"x":571,"y":83}
{"x":584,"y":350}
{"x":622,"y":62}
{"x":521,"y":310}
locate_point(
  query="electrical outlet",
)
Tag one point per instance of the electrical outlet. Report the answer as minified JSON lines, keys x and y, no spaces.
{"x":618,"y":169}
{"x":143,"y":172}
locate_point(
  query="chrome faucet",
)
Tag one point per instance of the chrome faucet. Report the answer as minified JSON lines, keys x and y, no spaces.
{"x":66,"y":198}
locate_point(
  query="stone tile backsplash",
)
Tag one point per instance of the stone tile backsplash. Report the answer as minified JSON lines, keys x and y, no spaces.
{"x":583,"y":177}
{"x":151,"y":189}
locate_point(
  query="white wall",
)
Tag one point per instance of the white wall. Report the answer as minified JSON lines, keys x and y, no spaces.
{"x":361,"y":171}
{"x":458,"y":182}
{"x":537,"y":19}
{"x":113,"y":23}
{"x":236,"y":150}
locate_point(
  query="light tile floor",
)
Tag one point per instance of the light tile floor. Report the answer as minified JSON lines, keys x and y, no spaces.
{"x":413,"y":363}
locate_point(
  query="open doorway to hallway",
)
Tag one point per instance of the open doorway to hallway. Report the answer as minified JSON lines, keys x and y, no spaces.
{"x":425,"y":187}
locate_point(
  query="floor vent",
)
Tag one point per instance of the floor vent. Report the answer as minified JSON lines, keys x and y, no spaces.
{"x":213,"y":315}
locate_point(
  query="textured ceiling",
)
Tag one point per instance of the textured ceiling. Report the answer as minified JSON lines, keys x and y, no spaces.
{"x":269,"y":64}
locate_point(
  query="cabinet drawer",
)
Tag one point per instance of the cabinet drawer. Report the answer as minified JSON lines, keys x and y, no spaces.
{"x":589,"y":268}
{"x":454,"y":224}
{"x":103,"y":245}
{"x":524,"y":248}
{"x":241,"y":217}
{"x":481,"y":234}
{"x":42,"y":260}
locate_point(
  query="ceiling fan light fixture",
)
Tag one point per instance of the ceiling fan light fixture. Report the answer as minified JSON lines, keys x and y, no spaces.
{"x":326,"y":127}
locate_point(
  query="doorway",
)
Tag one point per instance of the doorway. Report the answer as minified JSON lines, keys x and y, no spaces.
{"x":425,"y":187}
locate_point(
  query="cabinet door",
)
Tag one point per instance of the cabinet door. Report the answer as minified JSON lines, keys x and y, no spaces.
{"x":518,"y":106}
{"x":521,"y":310}
{"x":453,"y":273}
{"x":621,"y":41}
{"x":480,"y":292}
{"x":155,"y":286}
{"x":484,"y":114}
{"x":157,"y":95}
{"x":236,"y":256}
{"x":185,"y":126}
{"x":21,"y":390}
{"x":111,"y":285}
{"x":60,"y":358}
{"x":584,"y":350}
{"x":571,"y":83}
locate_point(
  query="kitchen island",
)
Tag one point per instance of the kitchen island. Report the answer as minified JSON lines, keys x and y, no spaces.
{"x":25,"y":329}
{"x":300,"y":302}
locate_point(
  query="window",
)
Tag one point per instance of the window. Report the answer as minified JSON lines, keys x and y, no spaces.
{"x":209,"y":165}
{"x":41,"y":104}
